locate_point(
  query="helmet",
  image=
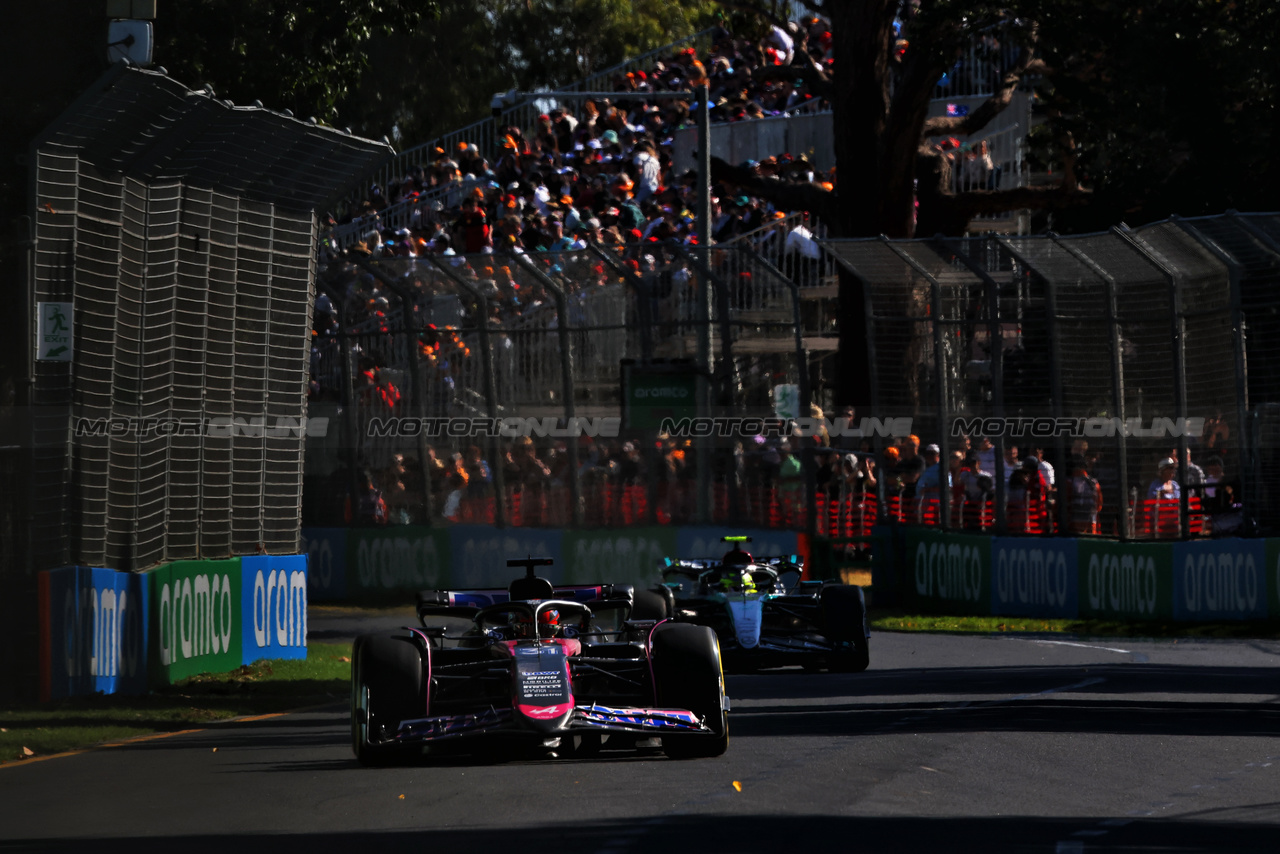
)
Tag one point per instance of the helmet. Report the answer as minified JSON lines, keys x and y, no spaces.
{"x":738,"y":580}
{"x":548,"y":623}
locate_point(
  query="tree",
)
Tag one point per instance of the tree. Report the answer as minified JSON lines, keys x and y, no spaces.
{"x":290,"y":54}
{"x":1149,"y":109}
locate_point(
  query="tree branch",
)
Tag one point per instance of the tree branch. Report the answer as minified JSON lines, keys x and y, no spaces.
{"x":993,"y":106}
{"x":784,"y":195}
{"x":818,"y":82}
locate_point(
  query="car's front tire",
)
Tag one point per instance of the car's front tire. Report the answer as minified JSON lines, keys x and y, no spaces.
{"x":386,"y":688}
{"x":688,"y":673}
{"x":844,"y":617}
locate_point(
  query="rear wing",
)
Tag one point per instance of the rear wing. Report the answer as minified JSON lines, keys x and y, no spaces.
{"x":467,"y":603}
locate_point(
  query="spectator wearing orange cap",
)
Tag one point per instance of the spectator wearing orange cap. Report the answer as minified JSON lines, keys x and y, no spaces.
{"x":629,"y":214}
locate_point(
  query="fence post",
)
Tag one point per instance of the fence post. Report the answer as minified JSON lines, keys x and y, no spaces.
{"x":566,"y":376}
{"x":1248,"y":450}
{"x":415,"y":375}
{"x":644,"y":300}
{"x":995,"y":337}
{"x":350,"y":427}
{"x":1117,"y":376}
{"x":806,"y":393}
{"x":940,"y":371}
{"x":1178,"y":331}
{"x":490,"y":389}
{"x":725,"y":361}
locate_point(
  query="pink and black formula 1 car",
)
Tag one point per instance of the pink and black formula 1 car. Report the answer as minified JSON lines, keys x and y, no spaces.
{"x":564,"y":668}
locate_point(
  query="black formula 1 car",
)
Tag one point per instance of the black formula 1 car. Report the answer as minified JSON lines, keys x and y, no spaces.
{"x":561,"y":668}
{"x":765,"y":614}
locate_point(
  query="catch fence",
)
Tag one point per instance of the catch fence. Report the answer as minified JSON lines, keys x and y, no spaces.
{"x":174,"y":245}
{"x":1115,"y":350}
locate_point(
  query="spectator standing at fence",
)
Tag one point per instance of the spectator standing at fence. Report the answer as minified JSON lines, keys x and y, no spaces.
{"x":986,"y":454}
{"x":1195,"y":474}
{"x":479,"y":475}
{"x":790,"y":482}
{"x":928,"y":487}
{"x":523,"y":466}
{"x":367,"y":506}
{"x":1083,"y":497}
{"x":1165,"y":487}
{"x":1011,"y":462}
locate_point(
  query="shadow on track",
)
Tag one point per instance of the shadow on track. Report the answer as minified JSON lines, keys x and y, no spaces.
{"x":1249,"y":829}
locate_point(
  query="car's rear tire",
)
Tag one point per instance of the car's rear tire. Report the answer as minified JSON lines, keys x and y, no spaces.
{"x":649,"y":605}
{"x":386,"y":688}
{"x":686,"y":666}
{"x":844,"y":618}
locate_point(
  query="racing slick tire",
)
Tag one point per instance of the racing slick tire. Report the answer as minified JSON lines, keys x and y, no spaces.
{"x":386,"y":687}
{"x":688,"y":675}
{"x":649,"y":605}
{"x":844,"y":618}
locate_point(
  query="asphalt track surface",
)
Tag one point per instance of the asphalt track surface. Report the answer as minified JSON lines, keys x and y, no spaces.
{"x":948,"y":743}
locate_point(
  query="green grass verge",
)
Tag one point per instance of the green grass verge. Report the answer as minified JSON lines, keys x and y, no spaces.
{"x":256,"y":689}
{"x":885,"y":620}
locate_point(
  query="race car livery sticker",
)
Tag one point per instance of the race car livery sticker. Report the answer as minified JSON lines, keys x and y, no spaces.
{"x":640,"y":718}
{"x":746,"y":612}
{"x":542,"y":676}
{"x":448,"y":725}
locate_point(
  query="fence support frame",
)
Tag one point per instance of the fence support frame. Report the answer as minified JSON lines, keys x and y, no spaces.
{"x":1117,"y":375}
{"x":940,"y":371}
{"x":490,"y":388}
{"x":1178,"y":332}
{"x":566,"y":375}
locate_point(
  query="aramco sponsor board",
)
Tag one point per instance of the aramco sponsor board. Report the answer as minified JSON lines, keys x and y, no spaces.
{"x":195,"y":618}
{"x":949,"y":572}
{"x":1033,"y":577}
{"x":627,"y":556}
{"x":93,"y":632}
{"x":1220,"y":580}
{"x":1127,"y":581}
{"x":390,"y":564}
{"x":123,"y":632}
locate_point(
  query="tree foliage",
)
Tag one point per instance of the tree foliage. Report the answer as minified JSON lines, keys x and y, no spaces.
{"x":290,"y":54}
{"x":408,"y":69}
{"x":1149,"y":108}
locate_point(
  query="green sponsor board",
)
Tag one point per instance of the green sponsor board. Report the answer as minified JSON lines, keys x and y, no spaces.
{"x":949,"y":572}
{"x":627,"y":556}
{"x":1272,"y":577}
{"x":652,"y":393}
{"x":386,"y":563}
{"x":1125,"y":580}
{"x":195,"y":618}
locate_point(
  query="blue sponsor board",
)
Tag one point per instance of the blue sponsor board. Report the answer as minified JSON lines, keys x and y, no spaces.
{"x":1034,"y":577}
{"x":698,"y":543}
{"x":1220,"y":580}
{"x":480,"y":554}
{"x":96,"y":633}
{"x":273,"y":597}
{"x":326,"y":550}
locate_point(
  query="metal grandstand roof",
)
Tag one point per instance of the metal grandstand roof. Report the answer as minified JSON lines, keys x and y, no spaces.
{"x":149,"y":126}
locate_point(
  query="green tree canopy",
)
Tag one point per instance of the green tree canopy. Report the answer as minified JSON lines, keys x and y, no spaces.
{"x":1150,"y":108}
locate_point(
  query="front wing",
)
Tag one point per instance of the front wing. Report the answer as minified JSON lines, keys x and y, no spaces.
{"x":585,"y":718}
